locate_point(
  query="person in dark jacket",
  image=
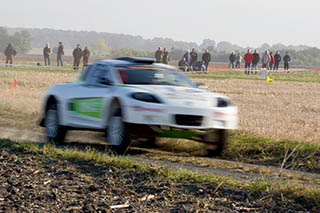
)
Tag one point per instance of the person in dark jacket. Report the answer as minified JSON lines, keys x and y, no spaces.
{"x":232,"y":59}
{"x":165,"y":56}
{"x":86,"y":55}
{"x":194,"y":57}
{"x":46,"y":54}
{"x":60,"y":53}
{"x":277,"y":60}
{"x":286,"y":60}
{"x":255,"y":61}
{"x":183,"y":65}
{"x":9,"y":52}
{"x":77,"y":54}
{"x":206,"y":58}
{"x":158,"y":55}
{"x":248,"y":57}
{"x":271,"y":61}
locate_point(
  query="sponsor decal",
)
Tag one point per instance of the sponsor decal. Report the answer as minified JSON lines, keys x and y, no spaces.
{"x":139,"y":108}
{"x":92,"y":107}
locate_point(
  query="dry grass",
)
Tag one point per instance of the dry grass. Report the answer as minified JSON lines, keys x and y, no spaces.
{"x":25,"y":105}
{"x":282,"y":110}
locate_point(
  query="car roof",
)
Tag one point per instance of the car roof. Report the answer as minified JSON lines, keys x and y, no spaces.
{"x":134,"y":61}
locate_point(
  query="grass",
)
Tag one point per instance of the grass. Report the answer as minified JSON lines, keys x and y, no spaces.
{"x":305,"y":76}
{"x":269,"y":151}
{"x":299,"y":192}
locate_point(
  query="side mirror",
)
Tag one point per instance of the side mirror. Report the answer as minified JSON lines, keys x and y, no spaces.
{"x":201,"y":86}
{"x":106,"y":81}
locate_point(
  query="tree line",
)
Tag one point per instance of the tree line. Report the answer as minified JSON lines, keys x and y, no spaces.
{"x":117,"y":45}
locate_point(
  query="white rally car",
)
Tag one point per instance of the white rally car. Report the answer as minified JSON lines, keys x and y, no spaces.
{"x":137,"y":99}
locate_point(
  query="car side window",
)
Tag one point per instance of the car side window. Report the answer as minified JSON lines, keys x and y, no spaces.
{"x":99,"y":74}
{"x":85,"y":73}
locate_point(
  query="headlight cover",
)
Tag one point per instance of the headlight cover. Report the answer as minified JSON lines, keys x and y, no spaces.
{"x":222,"y":102}
{"x":145,"y":97}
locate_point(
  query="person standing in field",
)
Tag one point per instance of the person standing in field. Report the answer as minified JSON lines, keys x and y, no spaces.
{"x":194,"y":57}
{"x":77,"y":54}
{"x":265,"y":60}
{"x":165,"y":56}
{"x":60,"y":53}
{"x":86,"y":55}
{"x":232,"y":59}
{"x":255,"y":61}
{"x":187,"y":57}
{"x":271,"y":61}
{"x":158,"y":55}
{"x":248,"y":57}
{"x":206,"y":58}
{"x":9,"y":52}
{"x":277,"y":60}
{"x":46,"y":54}
{"x":238,"y":60}
{"x":286,"y":60}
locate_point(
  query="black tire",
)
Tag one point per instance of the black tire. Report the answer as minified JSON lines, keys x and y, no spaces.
{"x":55,"y":132}
{"x":118,"y":135}
{"x":220,"y":140}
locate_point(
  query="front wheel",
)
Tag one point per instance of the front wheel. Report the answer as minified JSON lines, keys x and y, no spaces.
{"x":216,"y":142}
{"x":117,"y":132}
{"x":55,"y":132}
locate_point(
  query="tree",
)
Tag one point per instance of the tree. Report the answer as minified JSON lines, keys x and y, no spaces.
{"x":4,"y":38}
{"x":208,"y":44}
{"x":22,"y":41}
{"x":100,"y":48}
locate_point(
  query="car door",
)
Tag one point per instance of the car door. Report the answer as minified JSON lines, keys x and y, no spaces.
{"x":87,"y":104}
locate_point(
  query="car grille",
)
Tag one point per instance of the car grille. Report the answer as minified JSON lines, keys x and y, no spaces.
{"x":189,"y":120}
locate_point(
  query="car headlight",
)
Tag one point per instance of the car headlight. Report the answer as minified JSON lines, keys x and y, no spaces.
{"x":145,"y":97}
{"x":221,"y":102}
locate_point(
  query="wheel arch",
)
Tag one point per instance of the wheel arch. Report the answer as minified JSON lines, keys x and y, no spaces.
{"x":113,"y":101}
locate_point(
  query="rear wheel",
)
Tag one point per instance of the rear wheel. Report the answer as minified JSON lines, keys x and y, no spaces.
{"x":216,"y":142}
{"x":55,"y":132}
{"x":117,"y":132}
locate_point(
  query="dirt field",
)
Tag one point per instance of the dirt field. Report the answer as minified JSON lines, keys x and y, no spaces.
{"x":285,"y":110}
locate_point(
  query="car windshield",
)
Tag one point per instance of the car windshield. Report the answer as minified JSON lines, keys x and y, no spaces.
{"x":154,"y":77}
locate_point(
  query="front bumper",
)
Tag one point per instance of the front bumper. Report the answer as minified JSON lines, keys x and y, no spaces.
{"x":163,"y":115}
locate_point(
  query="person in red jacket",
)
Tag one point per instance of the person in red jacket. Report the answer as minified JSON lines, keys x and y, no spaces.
{"x":271,"y":61}
{"x":248,"y":57}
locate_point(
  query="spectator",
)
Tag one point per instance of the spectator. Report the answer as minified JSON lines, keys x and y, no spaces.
{"x":271,"y":61}
{"x":77,"y":55}
{"x":86,"y":55}
{"x":255,"y":61}
{"x":183,"y":65}
{"x":206,"y":58}
{"x":265,"y":60}
{"x":166,"y":56}
{"x":238,"y":60}
{"x":286,"y":60}
{"x":46,"y":54}
{"x":9,"y":52}
{"x":232,"y":59}
{"x":277,"y":60}
{"x":248,"y":57}
{"x":60,"y":53}
{"x":194,"y":57}
{"x":158,"y":55}
{"x":187,"y":56}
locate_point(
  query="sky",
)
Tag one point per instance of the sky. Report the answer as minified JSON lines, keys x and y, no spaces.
{"x":242,"y":22}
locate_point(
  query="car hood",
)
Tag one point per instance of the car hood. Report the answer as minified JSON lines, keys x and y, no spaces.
{"x":184,"y":96}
